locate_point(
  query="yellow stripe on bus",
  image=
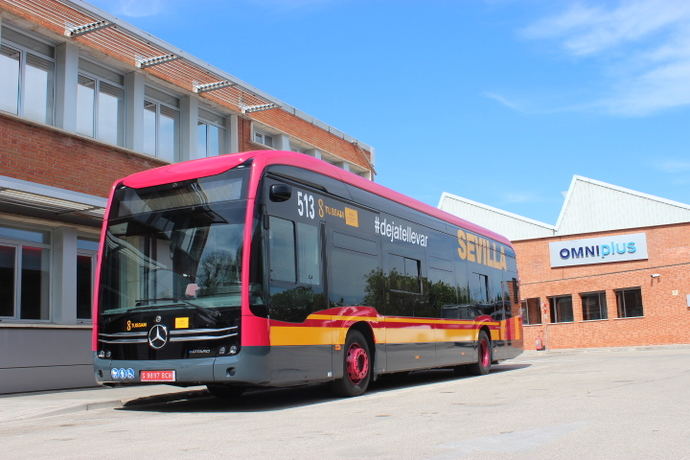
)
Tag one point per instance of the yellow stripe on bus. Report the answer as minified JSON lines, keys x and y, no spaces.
{"x":299,"y":335}
{"x":386,"y":319}
{"x":281,"y":335}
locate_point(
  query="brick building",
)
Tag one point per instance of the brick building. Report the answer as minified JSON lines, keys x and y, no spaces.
{"x":86,"y":98}
{"x":613,"y":271}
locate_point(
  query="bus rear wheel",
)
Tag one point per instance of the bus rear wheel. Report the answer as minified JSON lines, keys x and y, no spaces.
{"x":357,"y":364}
{"x":484,"y":359}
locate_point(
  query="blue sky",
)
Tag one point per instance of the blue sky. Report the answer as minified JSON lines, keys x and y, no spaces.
{"x":499,"y":101}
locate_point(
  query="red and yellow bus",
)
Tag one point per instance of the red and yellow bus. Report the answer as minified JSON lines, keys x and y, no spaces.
{"x":272,"y":268}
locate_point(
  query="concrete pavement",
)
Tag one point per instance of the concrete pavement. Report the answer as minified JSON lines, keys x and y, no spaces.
{"x":623,"y":403}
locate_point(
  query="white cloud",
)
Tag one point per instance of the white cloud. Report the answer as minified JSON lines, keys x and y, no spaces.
{"x":588,"y":30}
{"x":503,"y":101}
{"x":673,"y":166}
{"x":644,"y":45}
{"x":681,"y":181}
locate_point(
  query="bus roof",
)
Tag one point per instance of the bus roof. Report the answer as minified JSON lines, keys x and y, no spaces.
{"x":211,"y":166}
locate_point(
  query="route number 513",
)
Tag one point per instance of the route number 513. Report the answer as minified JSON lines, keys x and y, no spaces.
{"x":305,"y":204}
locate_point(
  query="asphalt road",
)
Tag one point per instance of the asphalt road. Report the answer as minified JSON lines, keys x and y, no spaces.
{"x":594,"y":404}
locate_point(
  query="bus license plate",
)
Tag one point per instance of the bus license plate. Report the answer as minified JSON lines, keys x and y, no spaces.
{"x":157,"y":376}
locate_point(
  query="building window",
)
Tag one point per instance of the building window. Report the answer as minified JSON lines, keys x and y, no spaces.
{"x":531,"y":313}
{"x":26,"y":77}
{"x":100,"y":104}
{"x":210,"y":135}
{"x":561,"y":309}
{"x":594,"y":306}
{"x":161,"y":125}
{"x":629,"y":302}
{"x":299,"y":147}
{"x":86,"y":263}
{"x":24,"y":274}
{"x":264,"y":138}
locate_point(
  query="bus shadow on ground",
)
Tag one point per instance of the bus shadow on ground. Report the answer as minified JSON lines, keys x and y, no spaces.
{"x":260,"y":400}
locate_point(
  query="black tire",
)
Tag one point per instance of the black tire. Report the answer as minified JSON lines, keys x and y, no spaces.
{"x":357,"y":364}
{"x":225,"y":391}
{"x":484,"y":358}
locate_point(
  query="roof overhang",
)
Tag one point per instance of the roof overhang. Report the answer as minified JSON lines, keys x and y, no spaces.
{"x":50,"y":201}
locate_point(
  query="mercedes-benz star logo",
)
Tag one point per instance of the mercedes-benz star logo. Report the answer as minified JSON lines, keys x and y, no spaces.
{"x":158,"y":336}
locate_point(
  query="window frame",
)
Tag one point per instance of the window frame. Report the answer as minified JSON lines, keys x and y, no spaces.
{"x":24,"y":51}
{"x":98,"y":79}
{"x":18,"y":246}
{"x":263,"y":133}
{"x":158,"y":102}
{"x":620,"y":293}
{"x":93,"y":256}
{"x":553,"y":309}
{"x":603,"y":308}
{"x":299,"y":147}
{"x":203,"y":119}
{"x":526,"y":317}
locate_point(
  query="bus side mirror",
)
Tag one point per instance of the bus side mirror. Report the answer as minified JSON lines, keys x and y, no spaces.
{"x":280,"y":192}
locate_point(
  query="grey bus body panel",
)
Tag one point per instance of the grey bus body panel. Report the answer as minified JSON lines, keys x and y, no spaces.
{"x":256,"y":366}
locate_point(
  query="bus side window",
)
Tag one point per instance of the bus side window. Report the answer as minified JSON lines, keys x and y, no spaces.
{"x":295,"y":270}
{"x":281,"y":242}
{"x":308,"y":254}
{"x":479,"y":288}
{"x":404,"y":274}
{"x":404,"y":287}
{"x":442,"y":294}
{"x":355,"y":277}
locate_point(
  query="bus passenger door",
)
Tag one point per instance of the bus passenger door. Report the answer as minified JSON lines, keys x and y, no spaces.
{"x":301,"y":347}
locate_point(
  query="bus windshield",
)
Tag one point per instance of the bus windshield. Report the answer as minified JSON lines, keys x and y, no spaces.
{"x":174,"y":245}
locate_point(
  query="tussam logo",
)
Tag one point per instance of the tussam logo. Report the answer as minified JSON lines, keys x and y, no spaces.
{"x":601,"y":250}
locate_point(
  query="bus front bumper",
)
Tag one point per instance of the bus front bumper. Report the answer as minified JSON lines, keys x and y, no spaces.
{"x":247,"y":367}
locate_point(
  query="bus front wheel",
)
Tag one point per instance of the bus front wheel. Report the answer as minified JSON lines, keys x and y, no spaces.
{"x":357,"y":364}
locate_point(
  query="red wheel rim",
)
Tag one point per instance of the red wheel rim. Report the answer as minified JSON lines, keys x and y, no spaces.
{"x":357,"y":363}
{"x":485,"y":355}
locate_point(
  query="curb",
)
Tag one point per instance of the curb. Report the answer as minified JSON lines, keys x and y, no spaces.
{"x":556,"y":351}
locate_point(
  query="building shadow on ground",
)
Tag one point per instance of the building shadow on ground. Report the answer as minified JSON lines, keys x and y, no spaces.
{"x":260,"y":400}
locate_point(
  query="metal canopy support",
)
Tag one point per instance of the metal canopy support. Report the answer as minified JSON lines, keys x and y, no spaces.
{"x":143,"y":63}
{"x":86,"y":28}
{"x":76,"y":19}
{"x":206,"y":87}
{"x":257,"y":108}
